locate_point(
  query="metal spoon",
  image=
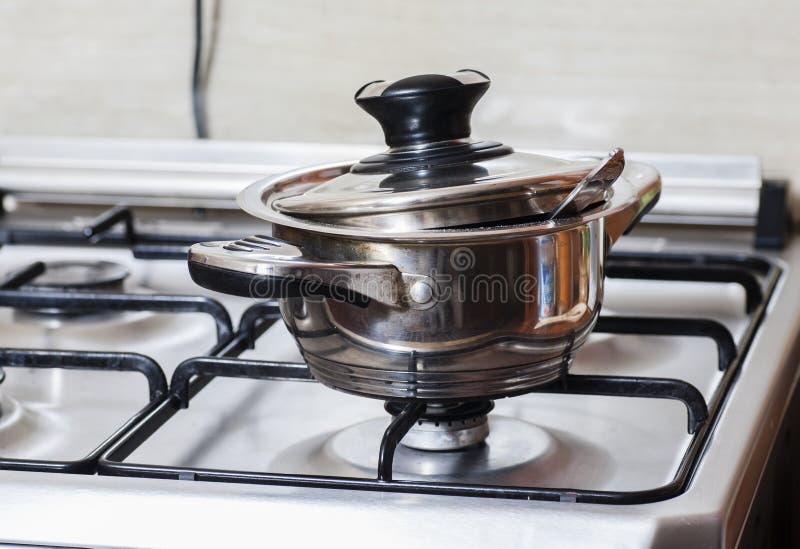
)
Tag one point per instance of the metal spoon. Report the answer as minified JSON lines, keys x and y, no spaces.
{"x":591,"y":188}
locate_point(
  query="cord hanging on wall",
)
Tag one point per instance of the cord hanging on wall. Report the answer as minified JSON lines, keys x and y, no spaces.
{"x":201,"y":64}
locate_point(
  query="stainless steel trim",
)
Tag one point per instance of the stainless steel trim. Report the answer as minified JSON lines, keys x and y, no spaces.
{"x":632,"y":189}
{"x":594,"y":186}
{"x":698,"y":189}
{"x":271,"y":257}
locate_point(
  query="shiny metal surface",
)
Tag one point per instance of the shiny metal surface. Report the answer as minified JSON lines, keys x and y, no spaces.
{"x":434,"y":175}
{"x":700,"y":189}
{"x":601,"y":442}
{"x":64,"y":414}
{"x":80,"y":275}
{"x":434,"y":436}
{"x":503,"y":188}
{"x":594,"y":187}
{"x":170,"y":338}
{"x":102,"y":276}
{"x":638,"y":186}
{"x":98,"y":510}
{"x":497,"y":325}
{"x":509,"y":305}
{"x":507,"y":454}
{"x":266,"y":256}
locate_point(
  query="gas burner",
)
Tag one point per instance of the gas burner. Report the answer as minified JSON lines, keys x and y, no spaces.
{"x":447,"y":427}
{"x":75,"y":276}
{"x":80,"y":275}
{"x":516,"y":451}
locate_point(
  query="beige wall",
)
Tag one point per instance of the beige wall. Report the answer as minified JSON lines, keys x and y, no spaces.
{"x":718,"y":76}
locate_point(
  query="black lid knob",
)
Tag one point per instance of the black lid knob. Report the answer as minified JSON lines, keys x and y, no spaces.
{"x":425,"y":108}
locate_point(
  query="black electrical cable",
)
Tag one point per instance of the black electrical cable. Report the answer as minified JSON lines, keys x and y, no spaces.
{"x":198,"y":80}
{"x":213,"y":35}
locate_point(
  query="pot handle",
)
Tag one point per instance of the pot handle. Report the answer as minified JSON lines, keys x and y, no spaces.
{"x":266,"y":267}
{"x":645,"y":182}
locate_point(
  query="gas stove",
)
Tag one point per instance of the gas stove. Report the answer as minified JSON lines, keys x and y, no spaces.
{"x":138,"y":409}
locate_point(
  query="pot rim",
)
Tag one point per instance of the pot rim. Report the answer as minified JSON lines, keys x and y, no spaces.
{"x":639,"y":182}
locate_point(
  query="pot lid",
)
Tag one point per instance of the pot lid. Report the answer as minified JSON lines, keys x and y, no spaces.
{"x":434,"y":175}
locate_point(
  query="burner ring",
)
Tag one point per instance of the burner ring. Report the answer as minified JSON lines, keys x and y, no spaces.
{"x":79,"y":275}
{"x":446,"y":412}
{"x":447,"y":427}
{"x":67,"y":277}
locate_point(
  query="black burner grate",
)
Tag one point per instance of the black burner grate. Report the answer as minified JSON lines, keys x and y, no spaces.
{"x":756,"y":275}
{"x":100,"y":232}
{"x":71,"y":302}
{"x":85,"y":360}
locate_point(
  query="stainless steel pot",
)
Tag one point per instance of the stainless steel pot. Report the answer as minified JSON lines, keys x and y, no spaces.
{"x":486,"y":292}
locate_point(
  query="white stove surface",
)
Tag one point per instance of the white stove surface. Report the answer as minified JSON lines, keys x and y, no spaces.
{"x":590,"y":442}
{"x":582,"y":442}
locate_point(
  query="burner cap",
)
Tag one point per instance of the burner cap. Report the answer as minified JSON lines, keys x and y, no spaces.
{"x":75,"y":276}
{"x":514,"y":453}
{"x":447,"y":427}
{"x":80,"y":275}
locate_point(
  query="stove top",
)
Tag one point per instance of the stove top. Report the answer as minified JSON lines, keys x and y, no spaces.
{"x":171,"y":404}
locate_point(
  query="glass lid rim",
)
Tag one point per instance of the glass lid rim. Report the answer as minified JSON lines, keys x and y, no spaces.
{"x":254,"y":198}
{"x":512,"y":186}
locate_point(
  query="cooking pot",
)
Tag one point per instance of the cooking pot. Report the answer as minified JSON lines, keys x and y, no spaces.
{"x":446,"y":268}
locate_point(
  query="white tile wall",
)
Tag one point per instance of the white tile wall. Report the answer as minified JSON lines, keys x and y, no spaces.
{"x":718,"y":76}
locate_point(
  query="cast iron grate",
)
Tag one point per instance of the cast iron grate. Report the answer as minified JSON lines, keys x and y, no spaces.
{"x":85,"y":360}
{"x":757,"y":276}
{"x":72,"y":301}
{"x":102,"y":231}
